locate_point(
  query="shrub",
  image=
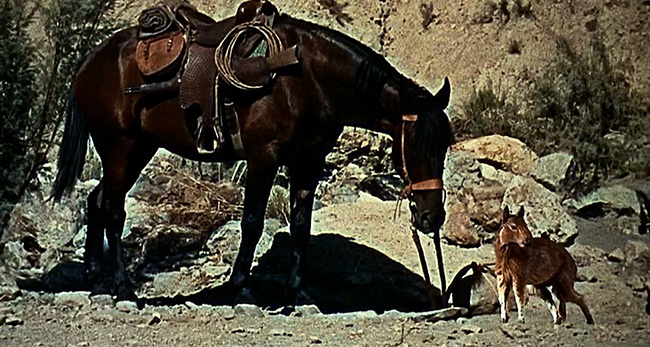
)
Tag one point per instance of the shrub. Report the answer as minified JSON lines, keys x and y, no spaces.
{"x":580,"y":104}
{"x":39,"y":62}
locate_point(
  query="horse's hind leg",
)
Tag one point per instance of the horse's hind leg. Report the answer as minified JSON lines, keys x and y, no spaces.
{"x":122,"y":166}
{"x":304,"y":179}
{"x":94,"y":247}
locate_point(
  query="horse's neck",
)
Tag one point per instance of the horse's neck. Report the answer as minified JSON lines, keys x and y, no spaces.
{"x":374,"y":102}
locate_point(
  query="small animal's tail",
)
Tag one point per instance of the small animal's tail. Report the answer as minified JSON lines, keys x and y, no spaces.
{"x":72,"y":153}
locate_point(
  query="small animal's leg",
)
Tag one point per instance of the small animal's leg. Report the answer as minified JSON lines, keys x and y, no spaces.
{"x":503,"y":289}
{"x":576,"y":298}
{"x":94,"y":246}
{"x":546,"y":295}
{"x":258,"y":187}
{"x":559,"y":293}
{"x":520,"y":298}
{"x":304,"y":179}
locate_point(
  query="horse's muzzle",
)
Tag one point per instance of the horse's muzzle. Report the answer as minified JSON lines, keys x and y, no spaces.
{"x":429,"y":223}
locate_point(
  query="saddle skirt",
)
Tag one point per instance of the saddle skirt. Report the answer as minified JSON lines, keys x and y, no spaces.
{"x":174,"y":36}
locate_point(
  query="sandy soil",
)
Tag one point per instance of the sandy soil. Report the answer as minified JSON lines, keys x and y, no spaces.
{"x":618,"y":311}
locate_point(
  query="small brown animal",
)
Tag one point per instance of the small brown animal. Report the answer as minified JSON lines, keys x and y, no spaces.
{"x":522,"y":260}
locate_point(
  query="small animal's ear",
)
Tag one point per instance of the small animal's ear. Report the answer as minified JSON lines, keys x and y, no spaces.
{"x":506,"y":214}
{"x":521,"y":212}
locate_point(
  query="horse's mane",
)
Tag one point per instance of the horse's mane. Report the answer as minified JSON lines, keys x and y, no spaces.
{"x":433,"y":130}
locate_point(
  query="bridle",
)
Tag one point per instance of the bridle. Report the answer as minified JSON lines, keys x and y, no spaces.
{"x":407,"y":193}
{"x":426,"y":185}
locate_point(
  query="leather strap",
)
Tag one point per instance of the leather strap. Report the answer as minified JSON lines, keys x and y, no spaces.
{"x":430,"y":184}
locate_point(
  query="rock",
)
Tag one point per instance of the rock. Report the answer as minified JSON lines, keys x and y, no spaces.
{"x":471,"y":329}
{"x":479,"y":188}
{"x":437,"y":315}
{"x":72,"y":299}
{"x":637,"y":254}
{"x":383,"y":186}
{"x":354,"y":315}
{"x":636,"y":282}
{"x":126,"y":306}
{"x":8,"y":288}
{"x":102,"y":301}
{"x":502,"y":152}
{"x":616,"y":255}
{"x":554,"y":170}
{"x":278,"y":332}
{"x":248,"y":310}
{"x":225,"y":240}
{"x":156,"y":318}
{"x":619,"y":199}
{"x":544,"y":210}
{"x":13,"y":321}
{"x":458,"y":229}
{"x":14,"y":256}
{"x":186,"y":282}
{"x":306,"y":311}
{"x":166,"y":240}
{"x":493,"y":174}
{"x":226,"y":312}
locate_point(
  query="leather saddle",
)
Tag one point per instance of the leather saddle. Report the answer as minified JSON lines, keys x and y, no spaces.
{"x":177,"y":40}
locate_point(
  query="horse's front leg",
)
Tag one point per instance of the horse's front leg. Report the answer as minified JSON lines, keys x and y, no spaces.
{"x":258,"y":187}
{"x":304,"y":179}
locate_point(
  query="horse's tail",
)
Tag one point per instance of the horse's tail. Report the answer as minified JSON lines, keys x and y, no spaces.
{"x":72,"y":153}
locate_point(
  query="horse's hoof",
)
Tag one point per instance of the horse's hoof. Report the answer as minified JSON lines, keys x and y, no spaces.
{"x":126,"y":294}
{"x":504,"y":319}
{"x":244,"y":296}
{"x":102,"y":287}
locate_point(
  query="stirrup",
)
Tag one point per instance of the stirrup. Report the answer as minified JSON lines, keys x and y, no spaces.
{"x":200,"y":141}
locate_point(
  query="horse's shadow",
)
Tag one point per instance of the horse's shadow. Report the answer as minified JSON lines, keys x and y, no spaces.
{"x":341,"y":276}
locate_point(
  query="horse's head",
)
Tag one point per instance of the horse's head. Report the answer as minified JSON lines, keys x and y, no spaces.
{"x":425,"y":138}
{"x":514,"y":229}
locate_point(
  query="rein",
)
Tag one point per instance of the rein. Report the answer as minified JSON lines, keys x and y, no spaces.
{"x":407,"y":193}
{"x":430,"y":184}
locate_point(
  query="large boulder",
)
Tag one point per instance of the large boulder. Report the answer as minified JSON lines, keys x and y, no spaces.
{"x":618,"y":199}
{"x":544,"y":210}
{"x":458,"y":228}
{"x":474,"y":196}
{"x":554,"y":170}
{"x":501,"y":152}
{"x":620,"y":205}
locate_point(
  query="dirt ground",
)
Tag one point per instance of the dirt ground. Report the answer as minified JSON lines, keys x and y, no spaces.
{"x":36,"y":319}
{"x":469,"y":44}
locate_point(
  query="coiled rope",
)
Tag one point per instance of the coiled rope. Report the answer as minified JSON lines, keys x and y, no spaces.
{"x":224,"y":53}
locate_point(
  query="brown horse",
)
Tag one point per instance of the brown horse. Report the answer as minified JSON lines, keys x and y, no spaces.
{"x":294,"y":122}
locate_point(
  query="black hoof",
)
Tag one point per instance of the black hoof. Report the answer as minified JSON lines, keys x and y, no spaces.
{"x":102,"y":286}
{"x":126,"y":293}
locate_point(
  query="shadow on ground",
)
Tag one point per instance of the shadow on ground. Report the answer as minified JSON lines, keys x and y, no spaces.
{"x":342,"y":276}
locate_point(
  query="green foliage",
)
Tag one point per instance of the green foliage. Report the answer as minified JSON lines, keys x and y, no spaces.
{"x":39,"y":61}
{"x":487,"y":111}
{"x":581,"y":104}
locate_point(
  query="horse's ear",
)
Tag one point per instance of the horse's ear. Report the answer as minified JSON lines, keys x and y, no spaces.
{"x":506,"y":214}
{"x":443,"y":95}
{"x":521,"y":212}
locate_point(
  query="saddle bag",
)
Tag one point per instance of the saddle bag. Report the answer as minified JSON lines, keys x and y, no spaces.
{"x":159,"y":55}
